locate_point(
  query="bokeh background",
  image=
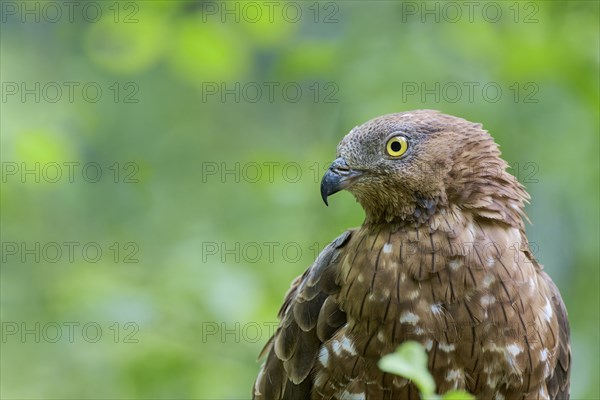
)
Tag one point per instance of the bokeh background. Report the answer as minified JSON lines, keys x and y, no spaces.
{"x":211,"y":124}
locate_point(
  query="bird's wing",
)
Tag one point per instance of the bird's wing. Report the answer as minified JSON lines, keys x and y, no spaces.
{"x":558,"y":383}
{"x":308,"y":317}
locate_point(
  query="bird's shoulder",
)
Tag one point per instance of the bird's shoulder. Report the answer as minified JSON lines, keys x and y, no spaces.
{"x":308,"y":317}
{"x":558,"y":382}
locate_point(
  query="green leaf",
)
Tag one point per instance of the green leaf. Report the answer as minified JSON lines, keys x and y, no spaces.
{"x":457,"y":395}
{"x":410,"y":361}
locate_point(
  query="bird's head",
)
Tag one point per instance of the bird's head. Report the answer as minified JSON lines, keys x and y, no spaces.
{"x":408,"y":165}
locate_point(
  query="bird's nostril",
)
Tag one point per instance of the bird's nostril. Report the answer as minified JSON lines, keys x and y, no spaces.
{"x":340,"y":170}
{"x":339,"y":166}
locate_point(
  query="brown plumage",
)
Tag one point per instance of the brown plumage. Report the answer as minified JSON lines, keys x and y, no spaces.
{"x":442,"y":258}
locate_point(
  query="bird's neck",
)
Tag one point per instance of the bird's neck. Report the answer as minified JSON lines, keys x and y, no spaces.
{"x":487,"y":191}
{"x":416,"y":210}
{"x":495,"y":203}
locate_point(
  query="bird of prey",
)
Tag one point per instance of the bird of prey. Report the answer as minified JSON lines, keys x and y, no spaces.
{"x":441,"y":258}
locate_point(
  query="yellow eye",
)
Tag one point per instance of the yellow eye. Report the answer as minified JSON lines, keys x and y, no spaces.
{"x":396,"y":146}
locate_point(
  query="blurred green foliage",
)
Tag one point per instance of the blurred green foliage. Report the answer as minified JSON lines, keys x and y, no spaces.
{"x":200,"y":311}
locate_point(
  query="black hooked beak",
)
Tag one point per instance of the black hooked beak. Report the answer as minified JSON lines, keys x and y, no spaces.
{"x":338,"y":177}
